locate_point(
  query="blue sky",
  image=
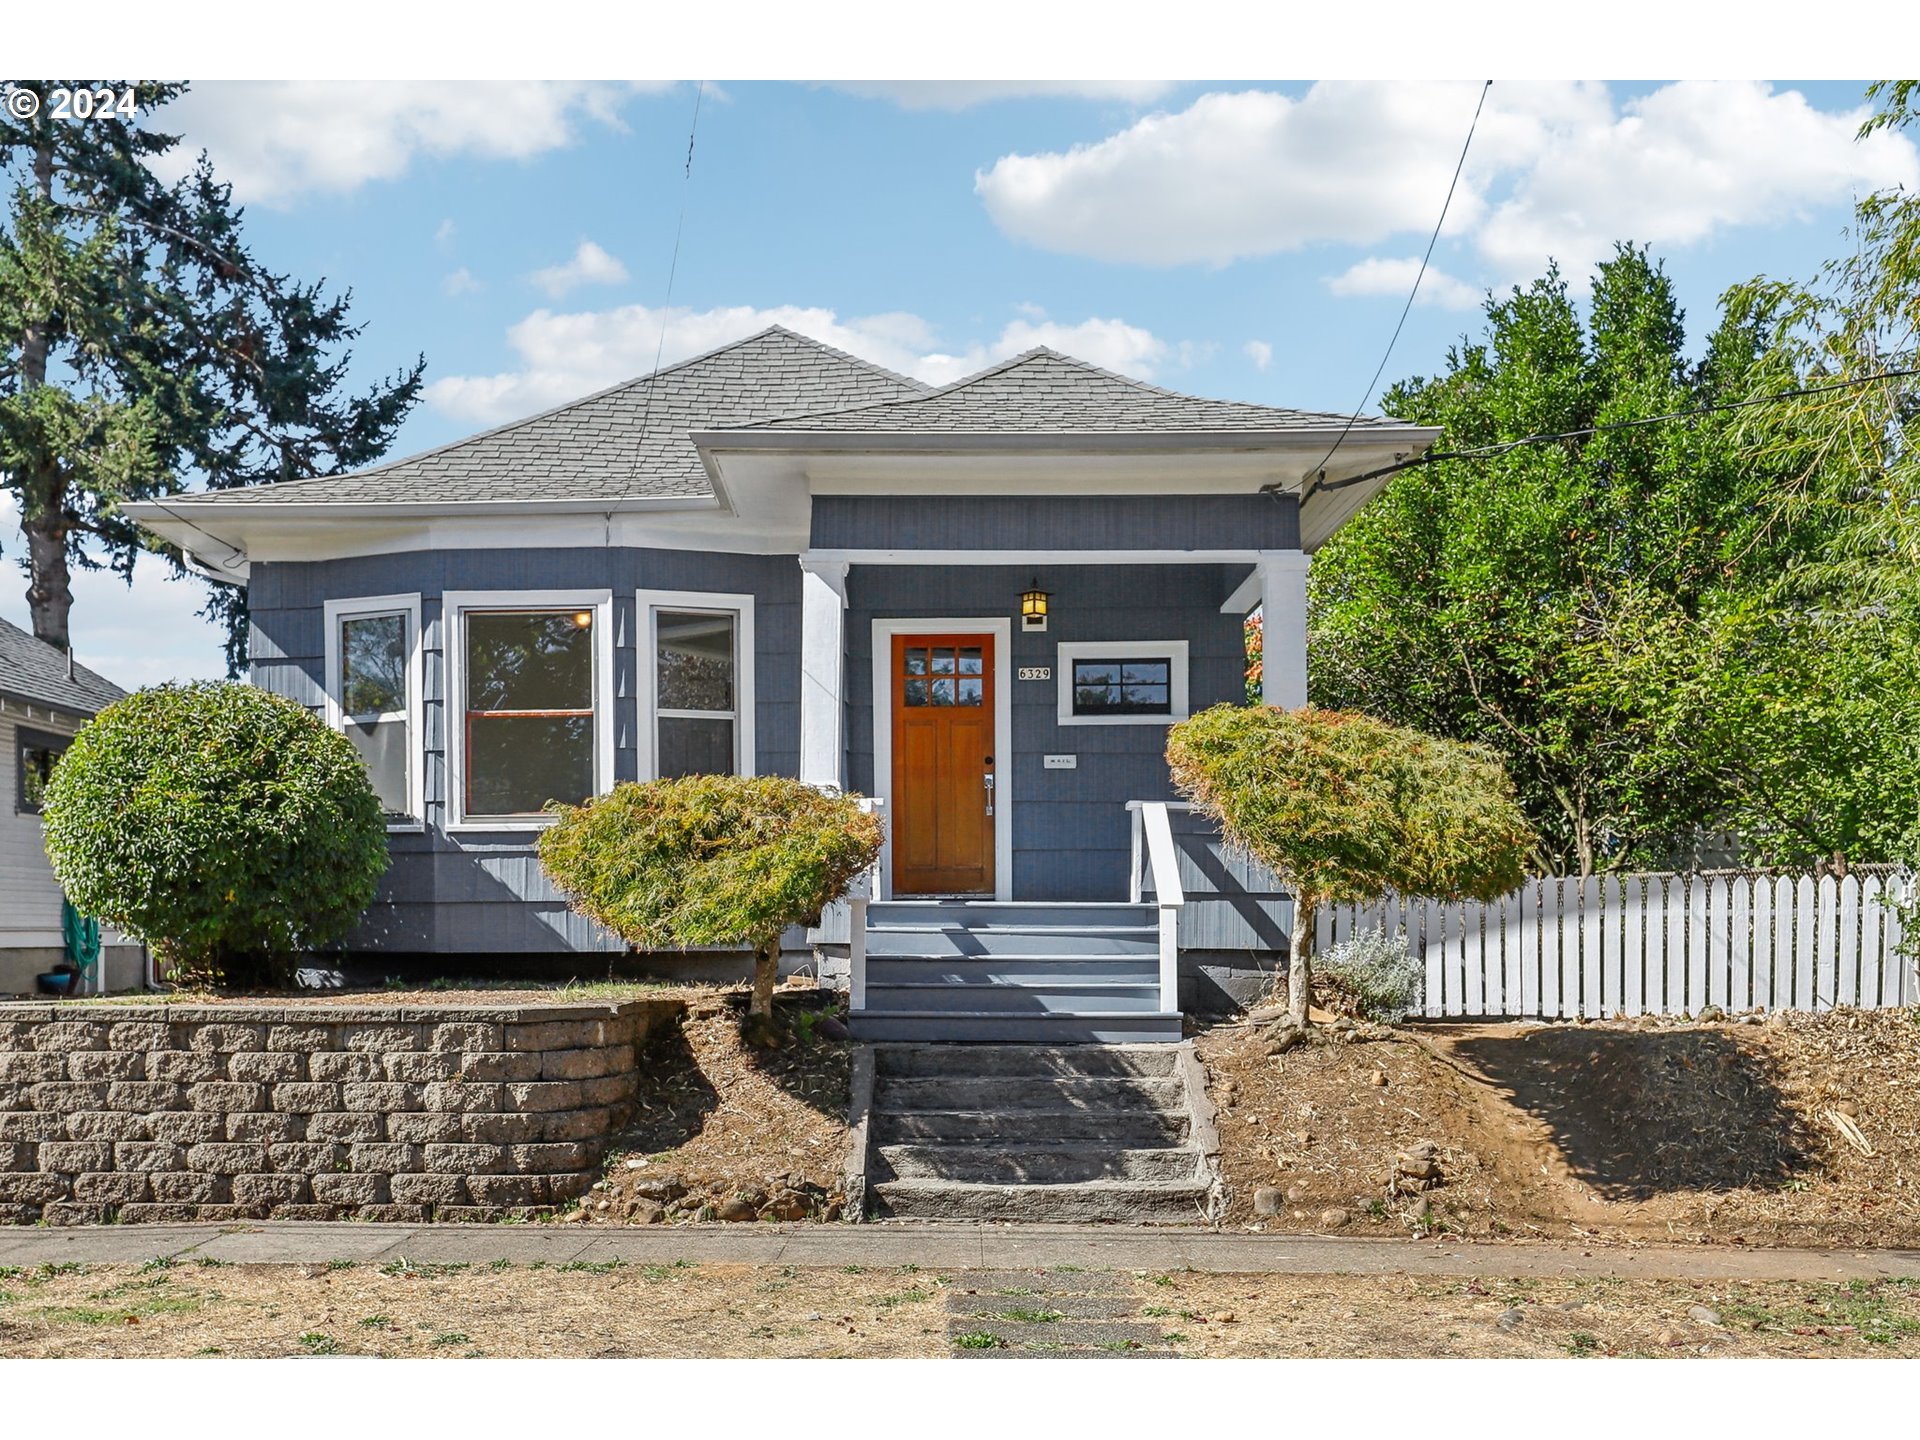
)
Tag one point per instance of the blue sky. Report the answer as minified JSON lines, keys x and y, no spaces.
{"x":1240,"y":240}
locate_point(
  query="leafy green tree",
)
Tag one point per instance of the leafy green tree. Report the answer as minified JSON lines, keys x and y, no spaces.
{"x":1505,"y":599}
{"x":142,"y":346}
{"x":1344,"y":807}
{"x":227,"y":827}
{"x":711,"y":860}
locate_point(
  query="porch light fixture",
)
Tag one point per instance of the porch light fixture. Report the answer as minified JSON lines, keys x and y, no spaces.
{"x":1033,"y":607}
{"x":583,"y":618}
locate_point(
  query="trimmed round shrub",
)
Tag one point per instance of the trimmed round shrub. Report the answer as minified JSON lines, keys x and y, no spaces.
{"x":228,"y":828}
{"x":1377,"y":974}
{"x":710,"y":860}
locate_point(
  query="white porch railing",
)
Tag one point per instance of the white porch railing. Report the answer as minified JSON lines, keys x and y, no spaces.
{"x":858,"y":897}
{"x":1153,"y":833}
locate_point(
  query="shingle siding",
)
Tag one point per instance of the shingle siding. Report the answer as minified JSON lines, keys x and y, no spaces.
{"x":1071,"y":832}
{"x":481,"y":893}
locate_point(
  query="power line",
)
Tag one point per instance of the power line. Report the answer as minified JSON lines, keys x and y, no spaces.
{"x":673,"y":269}
{"x":1501,"y":447}
{"x":1407,"y":309}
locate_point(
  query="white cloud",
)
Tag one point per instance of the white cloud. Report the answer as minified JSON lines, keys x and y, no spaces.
{"x":460,"y":282}
{"x":1378,"y":276}
{"x":564,"y":356}
{"x":590,"y":265}
{"x":1259,"y":352}
{"x":444,"y":233}
{"x":134,"y":635}
{"x":1557,"y":169}
{"x":964,"y":94}
{"x":277,"y":140}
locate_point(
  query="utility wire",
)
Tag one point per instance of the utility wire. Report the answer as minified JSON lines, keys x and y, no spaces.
{"x":1407,"y":309}
{"x":673,"y":269}
{"x":1484,"y":452}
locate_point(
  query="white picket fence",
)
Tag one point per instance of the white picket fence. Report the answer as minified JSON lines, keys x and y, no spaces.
{"x":1660,"y":944}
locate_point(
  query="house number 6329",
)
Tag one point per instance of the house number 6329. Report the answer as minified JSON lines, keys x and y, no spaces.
{"x":1036,"y":672}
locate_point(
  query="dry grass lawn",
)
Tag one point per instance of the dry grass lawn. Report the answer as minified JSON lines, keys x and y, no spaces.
{"x":200,"y":1309}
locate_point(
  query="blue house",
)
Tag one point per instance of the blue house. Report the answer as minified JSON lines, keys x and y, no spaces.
{"x":980,"y":605}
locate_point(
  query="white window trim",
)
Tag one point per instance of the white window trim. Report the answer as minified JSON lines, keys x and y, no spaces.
{"x":364,"y":607}
{"x":1001,"y":628}
{"x":1069,"y":651}
{"x":646,"y":662}
{"x":454,"y":605}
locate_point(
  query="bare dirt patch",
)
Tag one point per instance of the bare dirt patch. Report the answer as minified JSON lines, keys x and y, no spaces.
{"x":1645,"y":1130}
{"x":719,"y":1121}
{"x":611,"y":1310}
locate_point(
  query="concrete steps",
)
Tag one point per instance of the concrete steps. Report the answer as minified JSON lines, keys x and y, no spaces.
{"x":1069,"y":1133}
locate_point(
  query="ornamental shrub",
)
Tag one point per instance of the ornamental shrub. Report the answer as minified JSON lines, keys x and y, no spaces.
{"x":1343,"y":807}
{"x":1378,"y":973}
{"x":228,"y":828}
{"x":710,"y":860}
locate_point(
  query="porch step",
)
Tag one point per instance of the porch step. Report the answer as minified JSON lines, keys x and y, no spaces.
{"x":1047,"y":997}
{"x":1040,"y":1133}
{"x":1151,"y":1061}
{"x":1122,"y":1201}
{"x":1135,"y":1129}
{"x":985,"y":914}
{"x":1056,"y":1164}
{"x":1014,"y":970}
{"x":904,"y":1093}
{"x":977,"y":941}
{"x":1001,"y":1027}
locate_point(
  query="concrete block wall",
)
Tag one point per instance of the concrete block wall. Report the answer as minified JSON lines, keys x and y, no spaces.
{"x":141,"y":1113}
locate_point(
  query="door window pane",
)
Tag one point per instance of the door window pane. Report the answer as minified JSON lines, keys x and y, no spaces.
{"x":373,"y":664}
{"x":530,"y":660}
{"x":695,"y":659}
{"x":517,"y":763}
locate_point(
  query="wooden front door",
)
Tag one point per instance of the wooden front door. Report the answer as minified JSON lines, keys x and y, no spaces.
{"x":943,"y":764}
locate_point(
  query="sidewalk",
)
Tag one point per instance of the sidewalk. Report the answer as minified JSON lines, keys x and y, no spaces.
{"x":932,"y":1246}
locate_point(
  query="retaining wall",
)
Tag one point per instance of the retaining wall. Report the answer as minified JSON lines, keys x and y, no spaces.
{"x":142,"y":1113}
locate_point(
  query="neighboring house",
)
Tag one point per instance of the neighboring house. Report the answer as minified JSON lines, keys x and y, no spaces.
{"x":44,"y":699}
{"x":778,"y":558}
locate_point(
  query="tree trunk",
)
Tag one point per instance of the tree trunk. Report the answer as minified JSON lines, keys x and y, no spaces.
{"x":1306,"y":911}
{"x":42,"y":494}
{"x":766,"y":974}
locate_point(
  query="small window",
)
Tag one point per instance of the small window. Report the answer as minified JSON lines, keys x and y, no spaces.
{"x":943,"y":675}
{"x":1122,"y":683}
{"x":36,"y":753}
{"x":1123,"y":687}
{"x":372,"y":694}
{"x":530,"y":735}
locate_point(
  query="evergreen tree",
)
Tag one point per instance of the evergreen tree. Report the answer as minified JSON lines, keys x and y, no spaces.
{"x":143,"y":349}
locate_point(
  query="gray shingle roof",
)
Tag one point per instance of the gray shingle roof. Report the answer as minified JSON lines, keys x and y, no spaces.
{"x":621,"y":443}
{"x":35,"y":671}
{"x":1045,"y":392}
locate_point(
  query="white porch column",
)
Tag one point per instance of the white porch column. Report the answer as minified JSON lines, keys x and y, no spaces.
{"x":823,"y":609}
{"x":1283,"y":627}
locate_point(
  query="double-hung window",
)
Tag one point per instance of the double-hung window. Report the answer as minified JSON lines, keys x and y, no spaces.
{"x":531,"y":675}
{"x":1122,"y":683}
{"x":373,"y":695}
{"x":696,"y":658}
